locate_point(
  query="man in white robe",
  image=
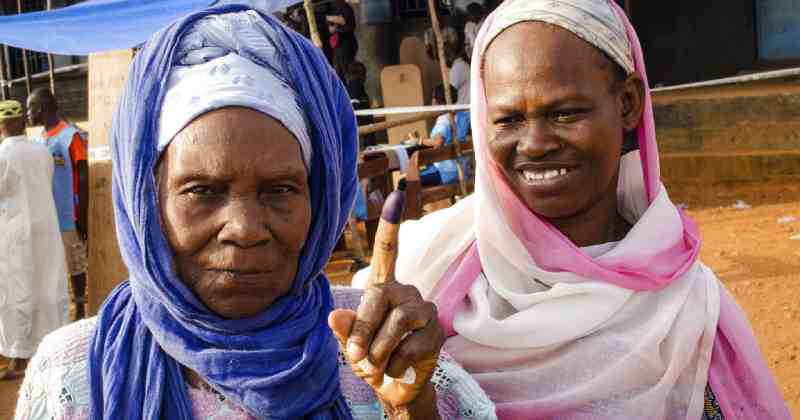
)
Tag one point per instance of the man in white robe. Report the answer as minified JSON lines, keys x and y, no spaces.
{"x":33,"y":286}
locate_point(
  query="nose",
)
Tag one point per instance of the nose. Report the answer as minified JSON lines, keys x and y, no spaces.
{"x":538,"y":140}
{"x":246,"y":223}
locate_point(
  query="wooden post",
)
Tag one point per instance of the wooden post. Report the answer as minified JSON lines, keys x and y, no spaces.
{"x":107,"y":75}
{"x":52,"y":71}
{"x":312,"y":23}
{"x":7,"y":56}
{"x":25,"y":58}
{"x":3,"y":89}
{"x":437,"y":31}
{"x":628,"y":9}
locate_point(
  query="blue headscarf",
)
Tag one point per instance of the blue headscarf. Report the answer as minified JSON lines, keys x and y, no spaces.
{"x":280,"y":364}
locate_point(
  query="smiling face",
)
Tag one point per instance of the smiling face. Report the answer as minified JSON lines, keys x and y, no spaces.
{"x":557,"y":115}
{"x":235,"y":205}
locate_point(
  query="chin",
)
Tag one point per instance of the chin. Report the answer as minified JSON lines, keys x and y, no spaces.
{"x":555,"y":207}
{"x":239,"y":308}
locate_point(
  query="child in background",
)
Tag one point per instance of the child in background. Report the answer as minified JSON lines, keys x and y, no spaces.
{"x":445,"y":172}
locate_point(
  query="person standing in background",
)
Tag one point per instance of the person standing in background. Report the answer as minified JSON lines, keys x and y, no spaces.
{"x":342,"y":40}
{"x":474,"y":20}
{"x":70,"y":186}
{"x":33,"y":295}
{"x":449,"y":37}
{"x":459,"y":71}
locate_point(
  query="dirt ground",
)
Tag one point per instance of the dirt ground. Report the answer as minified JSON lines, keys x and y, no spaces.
{"x":751,"y":251}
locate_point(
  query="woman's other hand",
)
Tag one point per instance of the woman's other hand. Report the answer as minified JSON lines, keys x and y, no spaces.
{"x":393,"y":343}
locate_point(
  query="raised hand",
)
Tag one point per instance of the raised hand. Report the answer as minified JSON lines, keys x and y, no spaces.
{"x":393,"y":340}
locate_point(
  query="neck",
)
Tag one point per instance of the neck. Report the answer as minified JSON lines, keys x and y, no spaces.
{"x":7,"y":135}
{"x":51,"y":122}
{"x":599,"y":224}
{"x":194,"y":380}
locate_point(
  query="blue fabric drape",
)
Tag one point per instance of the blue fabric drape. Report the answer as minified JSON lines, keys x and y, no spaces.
{"x":280,"y":364}
{"x":104,"y":25}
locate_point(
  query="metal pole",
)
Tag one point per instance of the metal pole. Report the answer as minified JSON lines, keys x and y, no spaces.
{"x":437,"y":31}
{"x":312,"y":23}
{"x":25,"y":57}
{"x":50,"y":65}
{"x":374,"y":128}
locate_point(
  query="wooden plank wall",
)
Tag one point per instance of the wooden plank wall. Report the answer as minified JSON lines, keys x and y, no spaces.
{"x":107,"y":75}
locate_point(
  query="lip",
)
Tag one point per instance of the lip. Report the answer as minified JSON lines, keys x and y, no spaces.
{"x":240,"y":276}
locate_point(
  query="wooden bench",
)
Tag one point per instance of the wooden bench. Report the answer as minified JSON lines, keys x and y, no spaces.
{"x":374,"y":174}
{"x":418,"y":196}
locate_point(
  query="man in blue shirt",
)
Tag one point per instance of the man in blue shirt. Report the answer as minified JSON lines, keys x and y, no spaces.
{"x":70,"y":185}
{"x":445,"y":172}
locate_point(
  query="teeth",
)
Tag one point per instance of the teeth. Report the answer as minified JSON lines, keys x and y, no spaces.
{"x":544,"y":175}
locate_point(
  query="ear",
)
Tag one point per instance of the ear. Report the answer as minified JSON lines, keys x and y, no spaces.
{"x":632,"y":101}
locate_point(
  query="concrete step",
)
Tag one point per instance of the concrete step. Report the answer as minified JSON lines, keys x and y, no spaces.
{"x":734,"y":124}
{"x":762,"y":165}
{"x":744,"y":137}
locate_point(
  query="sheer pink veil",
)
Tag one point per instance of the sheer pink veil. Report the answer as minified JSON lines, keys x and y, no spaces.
{"x":738,"y":374}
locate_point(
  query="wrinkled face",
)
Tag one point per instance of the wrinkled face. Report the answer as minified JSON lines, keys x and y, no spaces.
{"x":235,"y":205}
{"x":34,"y":112}
{"x":556,"y":123}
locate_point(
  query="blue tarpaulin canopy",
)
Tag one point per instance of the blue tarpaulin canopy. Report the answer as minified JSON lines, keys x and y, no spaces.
{"x":103,"y":25}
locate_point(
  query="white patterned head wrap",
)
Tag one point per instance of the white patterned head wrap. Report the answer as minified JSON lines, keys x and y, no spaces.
{"x":211,"y":77}
{"x":594,"y":21}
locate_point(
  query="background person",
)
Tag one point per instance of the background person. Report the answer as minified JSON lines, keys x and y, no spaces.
{"x":342,"y":39}
{"x":70,"y":186}
{"x":33,"y":294}
{"x":445,"y":172}
{"x":474,"y":20}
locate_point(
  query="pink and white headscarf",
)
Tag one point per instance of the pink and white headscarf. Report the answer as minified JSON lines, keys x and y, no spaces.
{"x":634,"y":329}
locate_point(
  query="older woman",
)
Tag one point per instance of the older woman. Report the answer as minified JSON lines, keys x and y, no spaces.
{"x":234,"y":172}
{"x":569,"y":283}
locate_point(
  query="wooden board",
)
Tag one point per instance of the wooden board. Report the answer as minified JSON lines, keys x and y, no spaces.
{"x":107,"y":74}
{"x":412,"y":51}
{"x":402,"y":86}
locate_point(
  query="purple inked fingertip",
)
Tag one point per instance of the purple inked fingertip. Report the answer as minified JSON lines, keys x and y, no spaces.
{"x":393,"y":208}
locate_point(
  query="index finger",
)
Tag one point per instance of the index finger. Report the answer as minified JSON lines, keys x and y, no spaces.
{"x":384,"y":252}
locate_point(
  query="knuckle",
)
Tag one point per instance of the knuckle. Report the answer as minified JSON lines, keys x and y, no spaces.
{"x":430,"y":309}
{"x":362,"y":328}
{"x":375,"y":293}
{"x":411,"y":292}
{"x":409,"y":352}
{"x":403,"y":318}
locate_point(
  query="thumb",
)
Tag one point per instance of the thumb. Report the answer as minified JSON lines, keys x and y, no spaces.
{"x":341,"y":323}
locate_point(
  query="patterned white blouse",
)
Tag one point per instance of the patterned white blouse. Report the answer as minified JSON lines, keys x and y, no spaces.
{"x":56,"y":384}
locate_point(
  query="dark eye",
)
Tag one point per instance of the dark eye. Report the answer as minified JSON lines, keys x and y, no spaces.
{"x":201,"y":191}
{"x":567,"y":115}
{"x":509,"y":120}
{"x":280,"y":189}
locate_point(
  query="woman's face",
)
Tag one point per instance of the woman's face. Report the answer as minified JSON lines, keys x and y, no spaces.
{"x":556,"y":118}
{"x":235,"y":205}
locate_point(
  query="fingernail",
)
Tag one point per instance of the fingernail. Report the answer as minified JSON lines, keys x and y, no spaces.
{"x":409,"y":377}
{"x":367,"y":367}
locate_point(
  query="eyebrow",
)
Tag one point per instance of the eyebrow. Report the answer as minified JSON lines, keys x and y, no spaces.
{"x":512,"y":102}
{"x":269,"y":174}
